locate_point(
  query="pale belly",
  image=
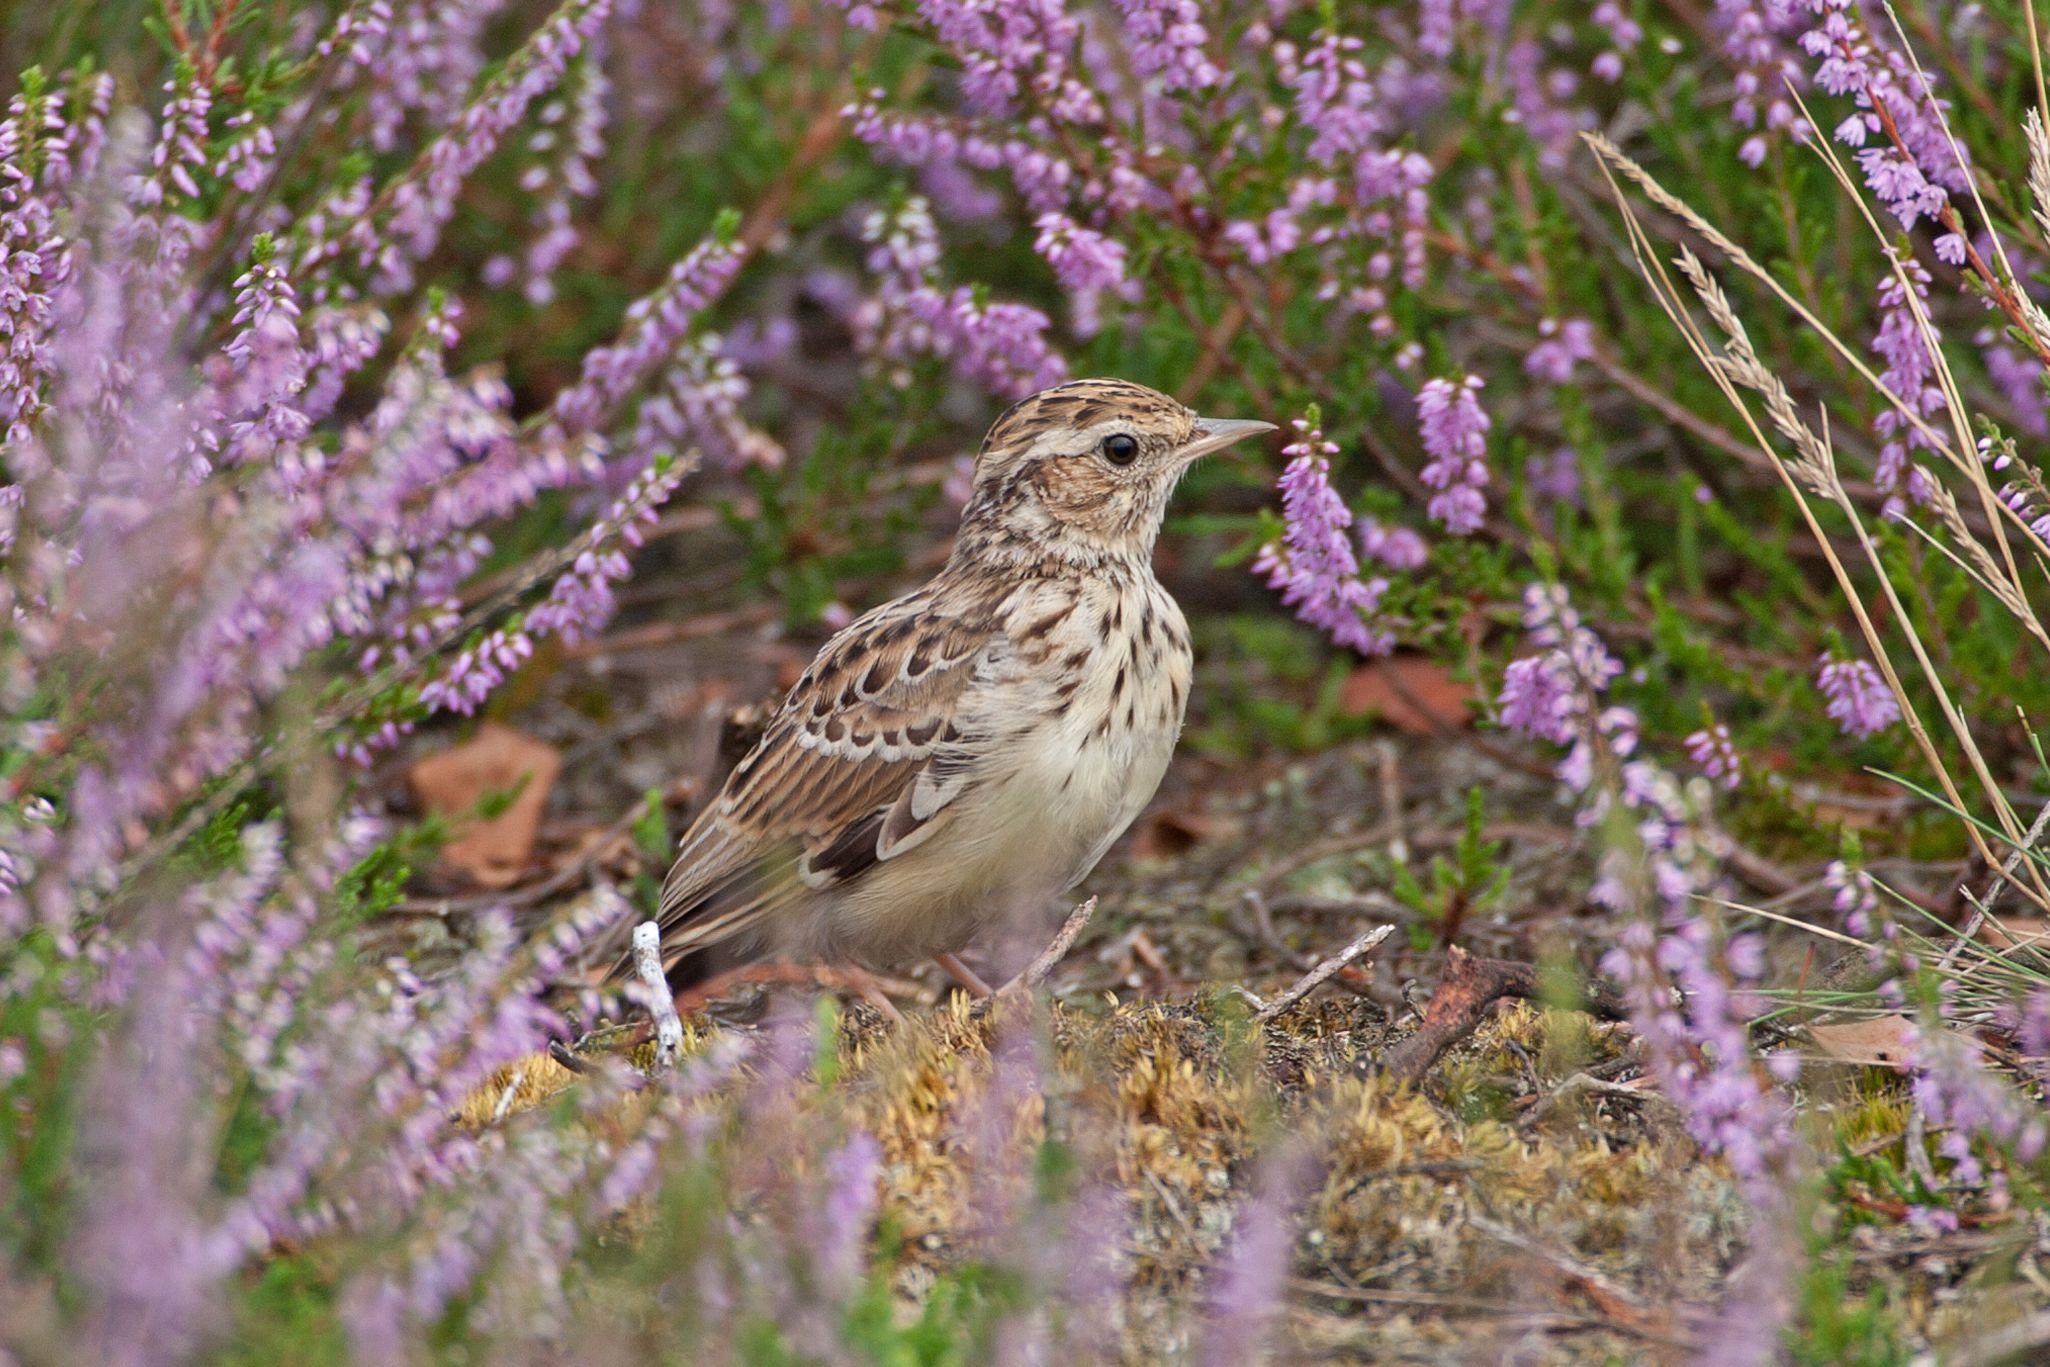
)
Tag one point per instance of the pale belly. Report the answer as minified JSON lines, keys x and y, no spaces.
{"x":1049,"y":801}
{"x":1006,"y":855}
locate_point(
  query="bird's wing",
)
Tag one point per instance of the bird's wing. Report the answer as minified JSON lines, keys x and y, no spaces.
{"x":858,"y":766}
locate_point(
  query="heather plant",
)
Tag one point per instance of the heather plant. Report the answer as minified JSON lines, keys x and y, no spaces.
{"x":356,"y":357}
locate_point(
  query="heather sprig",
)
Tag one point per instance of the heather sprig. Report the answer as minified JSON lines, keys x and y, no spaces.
{"x":1314,"y":566}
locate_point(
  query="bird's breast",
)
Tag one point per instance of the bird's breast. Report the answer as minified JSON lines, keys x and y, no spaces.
{"x":1115,"y":674}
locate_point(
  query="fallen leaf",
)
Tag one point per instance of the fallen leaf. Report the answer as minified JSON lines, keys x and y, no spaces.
{"x":1412,"y":693}
{"x":2017,"y":932}
{"x":490,"y":850}
{"x":1882,"y":1041}
{"x":1170,"y":833}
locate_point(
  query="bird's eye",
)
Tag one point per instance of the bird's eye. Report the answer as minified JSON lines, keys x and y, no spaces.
{"x":1120,"y":448}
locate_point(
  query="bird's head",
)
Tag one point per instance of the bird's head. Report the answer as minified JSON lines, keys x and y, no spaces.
{"x":1082,"y":472}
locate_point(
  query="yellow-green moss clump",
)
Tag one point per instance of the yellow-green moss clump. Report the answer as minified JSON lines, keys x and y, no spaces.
{"x":1518,"y":1193}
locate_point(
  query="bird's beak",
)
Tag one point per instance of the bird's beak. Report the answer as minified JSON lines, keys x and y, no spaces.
{"x":1214,"y":434}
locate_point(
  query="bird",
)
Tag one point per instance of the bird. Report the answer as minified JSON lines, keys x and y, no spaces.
{"x":975,"y":746}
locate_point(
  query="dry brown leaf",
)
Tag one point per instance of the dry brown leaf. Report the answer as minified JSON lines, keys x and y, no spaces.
{"x":491,"y":851}
{"x":1412,"y":693}
{"x":1170,"y":833}
{"x":2017,"y":932}
{"x":1881,"y":1041}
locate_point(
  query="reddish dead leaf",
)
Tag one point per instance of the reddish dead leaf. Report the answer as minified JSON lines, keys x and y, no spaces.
{"x":2017,"y":932}
{"x":1168,"y":834}
{"x":1412,"y":693}
{"x":491,"y":851}
{"x":1881,"y":1041}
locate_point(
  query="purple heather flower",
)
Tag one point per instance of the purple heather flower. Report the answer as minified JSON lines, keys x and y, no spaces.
{"x":1001,"y":347}
{"x":2019,"y":379}
{"x":245,"y":162}
{"x":569,"y":141}
{"x":1399,"y":548}
{"x":1697,"y":1045}
{"x":1455,"y":432}
{"x":1082,"y":259}
{"x":1910,"y":375}
{"x":1859,"y":701}
{"x":1759,"y":39}
{"x":1915,"y":179}
{"x":1561,"y":347}
{"x":696,"y":405}
{"x":1855,"y":898}
{"x":1712,"y":750}
{"x":1437,"y":25}
{"x":1254,"y":1272}
{"x":656,"y":324}
{"x":423,"y":199}
{"x":844,"y":1218}
{"x":1166,"y":39}
{"x":1313,"y":566}
{"x":1624,"y":33}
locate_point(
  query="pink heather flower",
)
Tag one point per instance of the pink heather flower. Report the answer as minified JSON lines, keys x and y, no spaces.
{"x":1561,"y":346}
{"x":1398,"y":548}
{"x":2019,"y":497}
{"x":1697,"y":1045}
{"x":1910,"y":374}
{"x":1538,"y":698}
{"x":1712,"y":750}
{"x":1853,"y":57}
{"x":2019,"y":379}
{"x":1758,"y":37}
{"x":656,"y":324}
{"x":1166,"y":38}
{"x":1082,"y":259}
{"x":999,"y":346}
{"x":1855,"y":897}
{"x":1455,"y":434}
{"x":1623,"y":31}
{"x":1313,"y":567}
{"x":1437,"y":25}
{"x":1858,"y":699}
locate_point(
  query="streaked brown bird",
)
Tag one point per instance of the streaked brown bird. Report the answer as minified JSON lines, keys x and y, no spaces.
{"x":970,"y":750}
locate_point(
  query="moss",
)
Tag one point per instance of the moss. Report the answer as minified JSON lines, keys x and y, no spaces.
{"x":1172,"y":1106}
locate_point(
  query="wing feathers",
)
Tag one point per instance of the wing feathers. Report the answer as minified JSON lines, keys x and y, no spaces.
{"x":859,"y":766}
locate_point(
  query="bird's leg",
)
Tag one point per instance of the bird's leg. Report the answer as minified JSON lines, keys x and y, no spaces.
{"x":967,"y":978}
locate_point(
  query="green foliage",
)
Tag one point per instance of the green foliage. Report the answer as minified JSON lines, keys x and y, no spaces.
{"x":1841,"y":1327}
{"x":1464,"y":883}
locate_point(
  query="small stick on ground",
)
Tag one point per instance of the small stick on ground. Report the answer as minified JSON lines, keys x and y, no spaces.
{"x":661,"y":1006}
{"x":1322,"y":973}
{"x":1470,"y":986}
{"x":1036,"y":971}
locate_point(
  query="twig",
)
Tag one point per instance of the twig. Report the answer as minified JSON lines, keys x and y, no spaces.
{"x":1316,"y":977}
{"x":1036,"y":971}
{"x":2011,"y":1342}
{"x":1470,"y":986}
{"x":648,"y":964}
{"x":1612,"y":1299}
{"x":1583,"y":1082}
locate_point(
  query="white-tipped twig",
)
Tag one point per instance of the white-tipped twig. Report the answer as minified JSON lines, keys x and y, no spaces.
{"x":1317,"y":976}
{"x":661,"y":1006}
